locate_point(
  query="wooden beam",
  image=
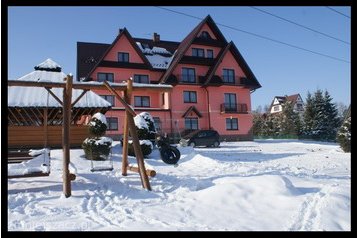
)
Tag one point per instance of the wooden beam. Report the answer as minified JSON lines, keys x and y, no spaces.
{"x":124,"y":103}
{"x":149,"y":172}
{"x":67,"y":96}
{"x":92,"y":85}
{"x":79,"y":97}
{"x":54,"y":96}
{"x":46,"y":126}
{"x":127,"y":98}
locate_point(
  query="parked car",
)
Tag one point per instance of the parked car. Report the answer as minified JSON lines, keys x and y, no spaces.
{"x":201,"y":138}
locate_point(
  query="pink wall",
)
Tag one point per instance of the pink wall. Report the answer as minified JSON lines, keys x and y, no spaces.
{"x":123,"y":45}
{"x":205,"y":27}
{"x":200,"y":70}
{"x":229,"y":62}
{"x":122,"y":74}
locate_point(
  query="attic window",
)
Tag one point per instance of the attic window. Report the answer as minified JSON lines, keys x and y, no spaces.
{"x":145,"y":45}
{"x":205,"y":35}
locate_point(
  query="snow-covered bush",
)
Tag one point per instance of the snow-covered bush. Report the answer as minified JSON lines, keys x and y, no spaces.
{"x":146,"y":133}
{"x":97,"y":147}
{"x":344,"y":135}
{"x":97,"y":125}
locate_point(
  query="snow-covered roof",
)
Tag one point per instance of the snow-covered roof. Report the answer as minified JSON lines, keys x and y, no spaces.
{"x":48,"y":65}
{"x":39,"y":97}
{"x":159,"y":58}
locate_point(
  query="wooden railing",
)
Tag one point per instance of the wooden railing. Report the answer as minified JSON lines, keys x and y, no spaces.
{"x":233,"y":108}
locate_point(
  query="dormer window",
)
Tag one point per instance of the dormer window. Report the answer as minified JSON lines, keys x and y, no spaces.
{"x":123,"y":57}
{"x":205,"y":35}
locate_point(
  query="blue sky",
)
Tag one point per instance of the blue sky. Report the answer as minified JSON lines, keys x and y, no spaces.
{"x":38,"y":33}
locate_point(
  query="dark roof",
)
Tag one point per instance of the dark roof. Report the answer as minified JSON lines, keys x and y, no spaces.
{"x":185,"y":44}
{"x":88,"y":55}
{"x":293,"y":98}
{"x":192,"y":109}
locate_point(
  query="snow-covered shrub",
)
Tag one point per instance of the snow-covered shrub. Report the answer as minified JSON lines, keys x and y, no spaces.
{"x":97,"y":147}
{"x":146,"y":133}
{"x":145,"y":126}
{"x":97,"y":125}
{"x":145,"y":145}
{"x":344,"y":135}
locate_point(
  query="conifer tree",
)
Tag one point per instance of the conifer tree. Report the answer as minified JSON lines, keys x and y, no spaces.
{"x":344,"y":133}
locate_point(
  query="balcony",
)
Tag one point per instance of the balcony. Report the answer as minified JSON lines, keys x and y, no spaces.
{"x":233,"y":108}
{"x":189,"y":79}
{"x":236,"y":80}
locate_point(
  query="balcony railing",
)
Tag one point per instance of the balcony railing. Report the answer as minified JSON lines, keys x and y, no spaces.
{"x":233,"y":108}
{"x":236,"y":80}
{"x":188,"y":79}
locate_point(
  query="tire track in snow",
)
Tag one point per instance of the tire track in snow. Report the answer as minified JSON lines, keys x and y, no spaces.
{"x":309,"y":215}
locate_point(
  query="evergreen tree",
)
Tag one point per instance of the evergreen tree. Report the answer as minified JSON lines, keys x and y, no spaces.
{"x":258,"y":122}
{"x":289,"y":120}
{"x":308,"y":116}
{"x":344,"y":133}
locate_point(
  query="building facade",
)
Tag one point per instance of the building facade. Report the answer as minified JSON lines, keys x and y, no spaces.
{"x":212,"y":82}
{"x":278,"y":101}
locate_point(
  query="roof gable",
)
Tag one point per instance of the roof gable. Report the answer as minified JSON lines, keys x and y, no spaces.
{"x":190,"y":110}
{"x":188,"y":40}
{"x":251,"y":79}
{"x":109,"y":52}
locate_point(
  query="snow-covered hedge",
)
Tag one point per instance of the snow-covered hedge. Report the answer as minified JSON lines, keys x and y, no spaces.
{"x":97,"y":147}
{"x":344,"y":135}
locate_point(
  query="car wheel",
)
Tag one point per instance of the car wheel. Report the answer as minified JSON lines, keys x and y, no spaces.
{"x":216,"y":144}
{"x":192,"y":144}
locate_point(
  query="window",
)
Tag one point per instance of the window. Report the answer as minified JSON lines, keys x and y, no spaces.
{"x":109,"y":98}
{"x":197,"y":52}
{"x":209,"y":54}
{"x":299,"y":106}
{"x":188,"y":75}
{"x":205,"y":35}
{"x":140,"y":78}
{"x":232,"y":124}
{"x":105,"y":76}
{"x":123,"y":57}
{"x":191,"y":123}
{"x":112,"y":123}
{"x":141,"y":101}
{"x":229,"y":76}
{"x":276,"y":108}
{"x":163,"y":99}
{"x":157,"y":123}
{"x":190,"y":96}
{"x":230,"y":102}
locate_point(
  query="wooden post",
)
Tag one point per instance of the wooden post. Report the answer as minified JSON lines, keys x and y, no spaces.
{"x":67,"y":98}
{"x":133,"y":132}
{"x":138,"y":154}
{"x":46,"y":126}
{"x":127,"y":98}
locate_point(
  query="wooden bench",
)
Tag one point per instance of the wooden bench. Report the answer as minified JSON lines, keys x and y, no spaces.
{"x":18,"y":156}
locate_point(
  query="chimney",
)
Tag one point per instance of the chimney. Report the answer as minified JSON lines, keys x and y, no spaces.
{"x":156,"y":37}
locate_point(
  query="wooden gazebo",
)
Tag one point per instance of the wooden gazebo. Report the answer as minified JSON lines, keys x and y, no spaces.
{"x":35,"y":115}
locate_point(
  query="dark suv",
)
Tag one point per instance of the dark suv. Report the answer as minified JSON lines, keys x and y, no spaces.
{"x":201,"y":138}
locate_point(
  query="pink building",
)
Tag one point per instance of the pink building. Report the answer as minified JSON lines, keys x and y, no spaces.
{"x":212,"y":82}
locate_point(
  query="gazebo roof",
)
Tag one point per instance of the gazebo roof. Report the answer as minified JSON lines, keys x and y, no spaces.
{"x":49,"y":71}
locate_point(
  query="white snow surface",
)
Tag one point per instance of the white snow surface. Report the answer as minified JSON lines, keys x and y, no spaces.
{"x":262,"y":185}
{"x":140,"y":122}
{"x":40,"y":163}
{"x":155,"y":58}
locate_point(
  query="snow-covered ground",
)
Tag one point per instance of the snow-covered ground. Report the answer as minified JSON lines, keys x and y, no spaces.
{"x":281,"y":185}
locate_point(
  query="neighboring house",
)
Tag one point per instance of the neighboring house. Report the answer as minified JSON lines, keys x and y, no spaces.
{"x":212,"y":82}
{"x":278,"y":101}
{"x":35,"y":116}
